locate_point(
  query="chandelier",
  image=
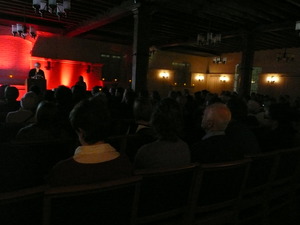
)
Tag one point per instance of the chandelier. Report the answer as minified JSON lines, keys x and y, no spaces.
{"x":208,"y":39}
{"x":60,"y":7}
{"x":219,"y":60}
{"x":285,"y":57}
{"x":22,"y":30}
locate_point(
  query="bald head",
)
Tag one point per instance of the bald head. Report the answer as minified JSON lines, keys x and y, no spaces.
{"x":216,"y":117}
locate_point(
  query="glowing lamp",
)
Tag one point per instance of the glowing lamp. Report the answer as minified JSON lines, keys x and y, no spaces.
{"x":272,"y":79}
{"x":224,"y":79}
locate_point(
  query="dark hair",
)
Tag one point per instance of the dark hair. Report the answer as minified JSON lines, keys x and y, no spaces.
{"x":142,"y":109}
{"x":93,"y":117}
{"x":167,"y":119}
{"x":11,"y":93}
{"x":47,"y":114}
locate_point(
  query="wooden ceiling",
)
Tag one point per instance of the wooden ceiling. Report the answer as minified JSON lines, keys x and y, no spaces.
{"x":174,"y":24}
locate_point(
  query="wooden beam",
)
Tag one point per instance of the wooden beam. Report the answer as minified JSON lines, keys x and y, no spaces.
{"x":101,"y":20}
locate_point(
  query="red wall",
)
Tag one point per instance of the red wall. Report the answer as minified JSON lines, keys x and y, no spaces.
{"x":16,"y":61}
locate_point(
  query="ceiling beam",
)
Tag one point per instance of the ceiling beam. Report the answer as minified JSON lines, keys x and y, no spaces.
{"x":113,"y":15}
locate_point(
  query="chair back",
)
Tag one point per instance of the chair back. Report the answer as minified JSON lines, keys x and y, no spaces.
{"x":261,"y":170}
{"x":288,"y":165}
{"x":219,"y":189}
{"x":107,"y":203}
{"x":165,"y":193}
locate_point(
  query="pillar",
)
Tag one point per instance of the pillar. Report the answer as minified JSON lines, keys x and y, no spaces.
{"x":140,"y":49}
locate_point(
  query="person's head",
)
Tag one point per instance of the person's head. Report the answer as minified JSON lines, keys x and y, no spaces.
{"x":29,"y":101}
{"x":63,"y":94}
{"x":216,"y":117}
{"x":47,"y":114}
{"x":37,"y":65}
{"x":11,"y":93}
{"x":80,"y":78}
{"x":91,"y":120}
{"x":167,"y":119}
{"x":142,"y":109}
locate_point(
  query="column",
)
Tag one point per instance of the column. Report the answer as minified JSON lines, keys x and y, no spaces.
{"x":246,"y":66}
{"x":140,"y":49}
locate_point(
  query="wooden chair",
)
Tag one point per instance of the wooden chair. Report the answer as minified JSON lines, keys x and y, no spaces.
{"x":282,"y":190}
{"x":217,"y":193}
{"x":165,"y":195}
{"x":252,"y":209}
{"x":23,"y":206}
{"x":107,"y":203}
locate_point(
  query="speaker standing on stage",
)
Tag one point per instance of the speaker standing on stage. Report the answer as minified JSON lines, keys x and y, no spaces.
{"x":36,"y":73}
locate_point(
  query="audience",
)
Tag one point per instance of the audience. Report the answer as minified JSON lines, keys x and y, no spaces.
{"x":163,"y":133}
{"x":94,"y":160}
{"x":169,"y":150}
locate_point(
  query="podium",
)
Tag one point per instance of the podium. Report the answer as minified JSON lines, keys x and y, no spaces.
{"x":41,"y":83}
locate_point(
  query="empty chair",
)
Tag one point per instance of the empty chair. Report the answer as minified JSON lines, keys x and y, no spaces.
{"x":22,"y":207}
{"x":165,"y":195}
{"x":111,"y":202}
{"x":218,"y":191}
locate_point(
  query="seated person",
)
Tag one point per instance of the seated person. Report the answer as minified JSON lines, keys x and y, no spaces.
{"x":47,"y":128}
{"x":93,"y":161}
{"x":169,"y":150}
{"x":26,"y":113}
{"x":141,"y":132}
{"x":215,"y":146}
{"x":10,"y":102}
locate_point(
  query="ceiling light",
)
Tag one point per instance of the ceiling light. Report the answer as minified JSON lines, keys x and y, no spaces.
{"x":285,"y":57}
{"x":60,"y":8}
{"x":219,"y":60}
{"x":22,"y":30}
{"x":209,"y":39}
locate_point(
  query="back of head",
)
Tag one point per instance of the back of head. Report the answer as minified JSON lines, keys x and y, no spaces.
{"x":142,"y":109}
{"x":63,"y":94}
{"x":238,"y":108}
{"x":216,"y":117}
{"x":47,"y":114}
{"x":167,"y":119}
{"x":11,"y":93}
{"x":2,"y":91}
{"x":92,"y":117}
{"x":29,"y":101}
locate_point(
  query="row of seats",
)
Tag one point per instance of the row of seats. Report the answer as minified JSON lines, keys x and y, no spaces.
{"x":247,"y":191}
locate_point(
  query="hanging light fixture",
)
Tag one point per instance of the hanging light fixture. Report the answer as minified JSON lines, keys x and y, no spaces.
{"x":22,"y":30}
{"x":60,"y":8}
{"x":209,"y":39}
{"x":285,"y":57}
{"x":219,"y":60}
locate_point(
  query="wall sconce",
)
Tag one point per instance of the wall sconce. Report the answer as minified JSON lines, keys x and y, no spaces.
{"x":224,"y":79}
{"x":48,"y":66}
{"x":272,"y":79}
{"x":164,"y":75}
{"x":219,"y":60}
{"x":199,"y":78}
{"x":88,"y":70}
